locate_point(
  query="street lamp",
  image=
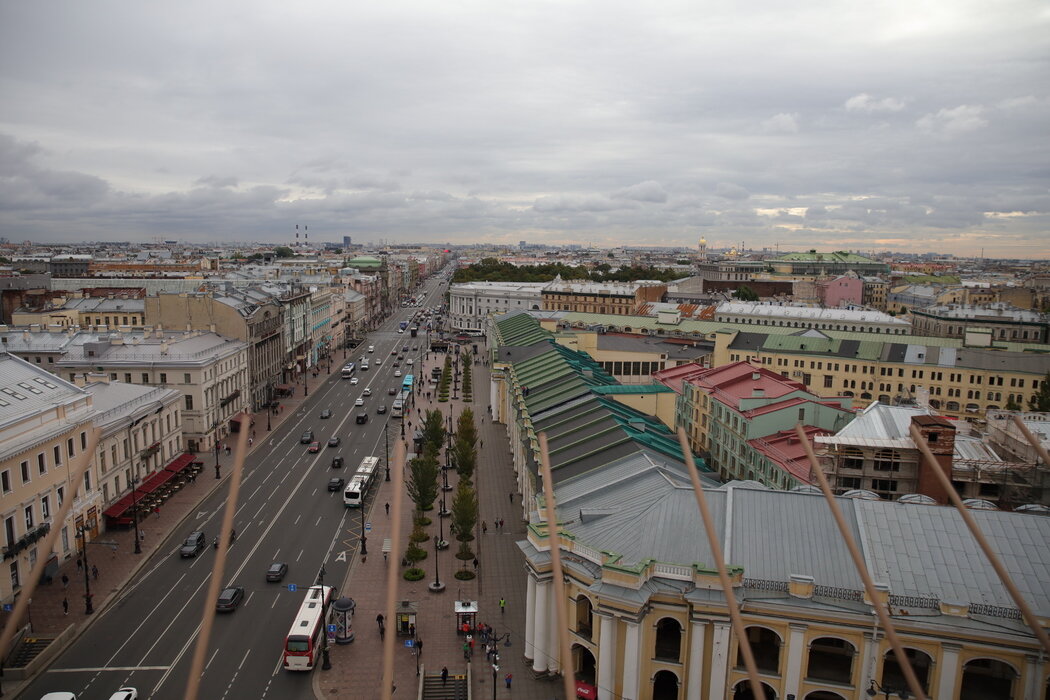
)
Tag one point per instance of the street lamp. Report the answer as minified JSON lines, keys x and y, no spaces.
{"x":495,"y":671}
{"x":386,"y":440}
{"x":364,"y":540}
{"x":875,"y":688}
{"x":82,"y":534}
{"x":269,"y":404}
{"x":135,"y":512}
{"x":216,"y":454}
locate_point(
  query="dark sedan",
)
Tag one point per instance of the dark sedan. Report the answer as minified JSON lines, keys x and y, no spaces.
{"x":336,"y":484}
{"x":334,"y":441}
{"x":276,"y":571}
{"x":229,"y":599}
{"x":327,"y":413}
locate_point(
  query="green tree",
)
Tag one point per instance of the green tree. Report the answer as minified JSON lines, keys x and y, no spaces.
{"x":422,"y":480}
{"x":464,"y":456}
{"x":745,"y":293}
{"x":434,"y":429}
{"x":283,"y":251}
{"x":1012,"y":405}
{"x":464,"y":517}
{"x":1040,"y":400}
{"x":465,"y":428}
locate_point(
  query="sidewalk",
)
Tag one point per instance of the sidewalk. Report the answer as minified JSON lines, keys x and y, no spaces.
{"x":357,"y":668}
{"x":118,"y":564}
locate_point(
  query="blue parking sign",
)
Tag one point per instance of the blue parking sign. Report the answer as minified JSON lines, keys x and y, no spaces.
{"x":8,"y":607}
{"x":331,"y":629}
{"x":292,"y":588}
{"x":409,"y":643}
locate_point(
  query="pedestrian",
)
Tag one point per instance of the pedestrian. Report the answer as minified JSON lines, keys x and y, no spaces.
{"x":142,"y":535}
{"x":501,"y":524}
{"x":80,"y":564}
{"x":65,"y":606}
{"x":511,"y":494}
{"x":387,"y":505}
{"x":502,"y":605}
{"x":444,"y":675}
{"x":466,"y":650}
{"x":484,"y":528}
{"x":94,"y":572}
{"x":65,"y":581}
{"x":475,"y":563}
{"x":250,"y":441}
{"x":508,"y":679}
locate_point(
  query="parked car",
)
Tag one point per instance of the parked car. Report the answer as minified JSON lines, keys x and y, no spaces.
{"x":229,"y":599}
{"x":314,"y":447}
{"x":327,"y":413}
{"x":409,"y":362}
{"x":334,"y":441}
{"x":404,"y":348}
{"x":401,"y":330}
{"x":337,"y":462}
{"x":379,"y":361}
{"x":307,"y":437}
{"x":193,"y":544}
{"x":359,"y":401}
{"x":336,"y":483}
{"x":276,"y":571}
{"x":396,"y":363}
{"x":381,"y":409}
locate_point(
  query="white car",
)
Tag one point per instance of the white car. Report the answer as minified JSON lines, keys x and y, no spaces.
{"x":359,"y":402}
{"x":408,"y":362}
{"x":354,"y":380}
{"x":125,"y":694}
{"x":400,"y":330}
{"x":371,"y":348}
{"x":379,"y":360}
{"x":397,"y":373}
{"x":366,"y":392}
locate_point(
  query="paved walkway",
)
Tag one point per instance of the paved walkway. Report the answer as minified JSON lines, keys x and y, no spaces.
{"x":118,"y":563}
{"x":357,"y":668}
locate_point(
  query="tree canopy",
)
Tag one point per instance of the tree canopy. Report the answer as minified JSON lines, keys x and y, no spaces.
{"x":496,"y":270}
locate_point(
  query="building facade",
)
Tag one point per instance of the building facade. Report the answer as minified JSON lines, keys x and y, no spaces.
{"x":471,"y":302}
{"x":1004,"y":321}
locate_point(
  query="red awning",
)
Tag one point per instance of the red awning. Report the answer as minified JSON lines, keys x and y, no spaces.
{"x":155,"y":481}
{"x":181,"y":462}
{"x":586,"y":690}
{"x":237,"y":417}
{"x":119,"y":508}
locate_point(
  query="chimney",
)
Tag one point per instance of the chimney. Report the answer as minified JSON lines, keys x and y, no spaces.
{"x":800,"y":586}
{"x":939,"y":434}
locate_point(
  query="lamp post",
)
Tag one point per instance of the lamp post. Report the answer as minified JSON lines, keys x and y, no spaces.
{"x":306,"y":383}
{"x":216,"y":453}
{"x":135,"y":512}
{"x":386,"y":441}
{"x":495,"y":672}
{"x":82,"y":534}
{"x":875,"y":688}
{"x":269,"y":404}
{"x":364,"y":540}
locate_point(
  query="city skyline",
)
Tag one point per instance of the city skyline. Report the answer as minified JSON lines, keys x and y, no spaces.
{"x":817,"y":127}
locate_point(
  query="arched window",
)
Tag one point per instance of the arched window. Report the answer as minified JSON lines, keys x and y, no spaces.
{"x":584,"y":620}
{"x":765,"y":645}
{"x":893,"y":677}
{"x":665,"y":686}
{"x":668,"y":640}
{"x":824,"y":695}
{"x":952,"y":406}
{"x":583,"y":663}
{"x":831,"y":659}
{"x":987,"y":679}
{"x":742,"y":691}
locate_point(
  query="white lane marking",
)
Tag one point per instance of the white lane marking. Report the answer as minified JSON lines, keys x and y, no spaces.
{"x":145,"y":617}
{"x":297,"y":519}
{"x":248,"y":599}
{"x":211,"y":658}
{"x":99,"y":669}
{"x":301,"y":551}
{"x":241,"y":664}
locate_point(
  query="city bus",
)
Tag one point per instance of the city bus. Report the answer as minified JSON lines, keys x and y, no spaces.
{"x":302,"y":646}
{"x":407,"y":382}
{"x":357,"y":488}
{"x":348,"y":370}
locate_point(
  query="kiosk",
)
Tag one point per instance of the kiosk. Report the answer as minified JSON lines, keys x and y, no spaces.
{"x":466,"y":616}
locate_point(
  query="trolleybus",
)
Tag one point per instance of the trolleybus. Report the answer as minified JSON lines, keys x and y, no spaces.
{"x":348,"y":370}
{"x":302,"y":646}
{"x":357,"y":488}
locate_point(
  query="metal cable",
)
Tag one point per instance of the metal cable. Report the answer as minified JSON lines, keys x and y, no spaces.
{"x":881,"y":608}
{"x":723,"y":575}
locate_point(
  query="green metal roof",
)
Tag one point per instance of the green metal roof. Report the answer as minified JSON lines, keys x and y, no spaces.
{"x":520,"y":329}
{"x":633,"y":389}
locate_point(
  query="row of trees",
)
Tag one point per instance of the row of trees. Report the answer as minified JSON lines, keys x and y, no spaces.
{"x":445,"y":383}
{"x":496,"y":270}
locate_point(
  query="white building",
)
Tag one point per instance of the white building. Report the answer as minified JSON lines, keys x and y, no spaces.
{"x":851,"y":320}
{"x":471,"y":302}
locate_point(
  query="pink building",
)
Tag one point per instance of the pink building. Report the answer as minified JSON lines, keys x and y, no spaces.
{"x":841,"y":291}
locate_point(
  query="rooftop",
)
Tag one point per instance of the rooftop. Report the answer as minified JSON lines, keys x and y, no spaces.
{"x":807,"y":313}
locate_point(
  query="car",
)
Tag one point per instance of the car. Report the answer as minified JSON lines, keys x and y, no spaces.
{"x":400,"y":330}
{"x":314,"y":447}
{"x":336,"y":483}
{"x":371,"y":348}
{"x":354,"y":380}
{"x":397,"y":373}
{"x":229,"y":599}
{"x":124,"y":694}
{"x":362,"y":418}
{"x":394,"y":351}
{"x":367,"y":392}
{"x":392,"y":391}
{"x":276,"y":571}
{"x":396,"y":363}
{"x":379,"y":361}
{"x":337,"y":462}
{"x":193,"y":544}
{"x":307,"y":437}
{"x":334,"y":441}
{"x":404,"y":348}
{"x":60,"y":695}
{"x":415,"y":347}
{"x":327,"y":413}
{"x":359,"y":401}
{"x":381,"y":409}
{"x":409,"y":362}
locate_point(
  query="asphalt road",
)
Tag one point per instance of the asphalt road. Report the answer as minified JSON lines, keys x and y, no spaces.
{"x":285,"y":513}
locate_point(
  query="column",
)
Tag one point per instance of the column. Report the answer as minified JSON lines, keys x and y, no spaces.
{"x":1033,"y":676}
{"x":796,"y":650}
{"x":719,"y":661}
{"x":540,"y":638}
{"x":869,"y":660}
{"x":695,"y":671}
{"x":631,"y":661}
{"x":949,"y":668}
{"x":530,"y":617}
{"x":607,"y":657}
{"x":553,"y":646}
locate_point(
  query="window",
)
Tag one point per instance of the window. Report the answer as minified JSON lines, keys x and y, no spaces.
{"x":69,"y":448}
{"x":829,"y":381}
{"x":61,"y":491}
{"x":127,"y":377}
{"x":186,"y":378}
{"x":9,"y":529}
{"x":887,"y":461}
{"x":83,"y":440}
{"x":163,"y":378}
{"x":849,"y":482}
{"x":29,"y":517}
{"x":145,"y":377}
{"x":45,"y":507}
{"x":87,"y":481}
{"x":887,"y":488}
{"x":852,"y":458}
{"x":5,"y":480}
{"x":15,"y":583}
{"x":58,"y":455}
{"x":189,"y":402}
{"x":24,"y":466}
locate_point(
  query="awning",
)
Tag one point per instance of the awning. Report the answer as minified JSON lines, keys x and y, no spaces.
{"x":586,"y":691}
{"x":237,"y":417}
{"x":155,"y":481}
{"x":181,"y":462}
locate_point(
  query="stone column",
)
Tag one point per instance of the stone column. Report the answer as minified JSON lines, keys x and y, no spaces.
{"x":869,"y":660}
{"x":541,"y":637}
{"x":631,"y":661}
{"x":1033,"y":676}
{"x":607,"y":657}
{"x":796,"y":651}
{"x":949,"y":667}
{"x":719,"y":661}
{"x":695,"y":670}
{"x":530,"y":617}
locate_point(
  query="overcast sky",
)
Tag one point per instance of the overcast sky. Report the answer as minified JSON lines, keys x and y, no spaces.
{"x":823,"y":124}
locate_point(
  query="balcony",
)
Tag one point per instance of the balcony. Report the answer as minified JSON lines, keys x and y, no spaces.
{"x":26,"y":541}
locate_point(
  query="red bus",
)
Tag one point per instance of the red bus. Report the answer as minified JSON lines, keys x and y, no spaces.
{"x":302,"y":647}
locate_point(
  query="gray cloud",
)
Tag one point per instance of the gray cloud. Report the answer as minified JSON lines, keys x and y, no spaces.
{"x":409,"y":122}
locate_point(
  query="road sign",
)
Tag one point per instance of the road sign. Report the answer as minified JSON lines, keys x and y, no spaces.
{"x":410,"y":643}
{"x":368,"y":527}
{"x":292,"y":588}
{"x":8,"y":607}
{"x":331,"y":629}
